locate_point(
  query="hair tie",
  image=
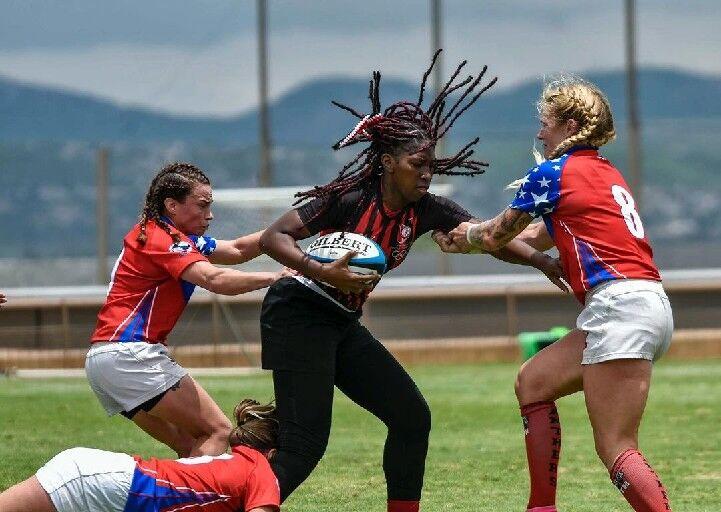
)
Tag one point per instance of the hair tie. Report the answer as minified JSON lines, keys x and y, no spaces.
{"x":359,"y":131}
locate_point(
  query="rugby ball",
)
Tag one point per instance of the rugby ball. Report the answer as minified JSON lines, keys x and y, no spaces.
{"x":332,"y":246}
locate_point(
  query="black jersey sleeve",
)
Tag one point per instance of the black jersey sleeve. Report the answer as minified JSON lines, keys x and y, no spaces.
{"x":335,"y":213}
{"x":439,"y":212}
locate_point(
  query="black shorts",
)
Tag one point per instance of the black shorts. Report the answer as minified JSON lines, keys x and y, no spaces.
{"x":301,"y":330}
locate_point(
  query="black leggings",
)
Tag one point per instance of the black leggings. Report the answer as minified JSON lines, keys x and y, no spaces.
{"x":311,"y":349}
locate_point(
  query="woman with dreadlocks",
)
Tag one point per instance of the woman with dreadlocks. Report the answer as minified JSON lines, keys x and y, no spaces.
{"x":311,"y":336}
{"x":590,"y":215}
{"x":163,"y":258}
{"x":89,"y":480}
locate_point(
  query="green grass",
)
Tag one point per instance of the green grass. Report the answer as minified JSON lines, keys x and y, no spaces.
{"x":476,"y":460}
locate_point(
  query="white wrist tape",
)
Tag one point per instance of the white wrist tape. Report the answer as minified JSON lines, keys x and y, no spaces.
{"x":468,"y":235}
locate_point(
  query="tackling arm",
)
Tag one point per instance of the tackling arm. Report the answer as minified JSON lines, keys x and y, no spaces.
{"x":240,"y":250}
{"x":536,"y":235}
{"x":227,"y":281}
{"x":517,"y":251}
{"x":513,"y":251}
{"x":493,"y":234}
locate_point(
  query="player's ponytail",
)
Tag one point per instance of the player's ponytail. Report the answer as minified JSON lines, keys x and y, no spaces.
{"x":256,"y":425}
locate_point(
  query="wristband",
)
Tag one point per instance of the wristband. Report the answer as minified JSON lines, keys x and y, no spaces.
{"x":468,"y":235}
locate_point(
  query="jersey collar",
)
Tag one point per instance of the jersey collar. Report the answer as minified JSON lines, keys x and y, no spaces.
{"x":581,"y":148}
{"x":385,"y":211}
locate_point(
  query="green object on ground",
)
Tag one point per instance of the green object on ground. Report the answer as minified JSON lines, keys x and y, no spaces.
{"x":533,"y":342}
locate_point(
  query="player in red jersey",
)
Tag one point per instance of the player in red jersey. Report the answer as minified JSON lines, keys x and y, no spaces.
{"x":163,"y":258}
{"x":311,"y":334}
{"x":89,"y":480}
{"x":589,"y":214}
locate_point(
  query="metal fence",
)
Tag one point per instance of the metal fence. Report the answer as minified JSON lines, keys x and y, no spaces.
{"x":44,"y":328}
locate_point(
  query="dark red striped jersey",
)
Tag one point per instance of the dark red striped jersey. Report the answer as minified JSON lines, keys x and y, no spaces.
{"x":363,"y":212}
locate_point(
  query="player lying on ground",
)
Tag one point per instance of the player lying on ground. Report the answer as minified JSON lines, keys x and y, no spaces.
{"x":311,"y":335}
{"x":164,"y":257}
{"x":89,"y":480}
{"x":589,"y":214}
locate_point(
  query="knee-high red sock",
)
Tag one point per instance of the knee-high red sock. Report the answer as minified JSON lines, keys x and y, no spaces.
{"x":543,"y":449}
{"x":639,"y":483}
{"x":403,"y":506}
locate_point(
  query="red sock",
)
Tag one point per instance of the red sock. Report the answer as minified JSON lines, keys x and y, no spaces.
{"x":403,"y":506}
{"x":639,"y":483}
{"x":543,"y":448}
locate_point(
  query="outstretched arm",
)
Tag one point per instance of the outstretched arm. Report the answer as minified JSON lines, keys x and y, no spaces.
{"x":227,"y":281}
{"x":514,"y":251}
{"x":535,"y":235}
{"x":240,"y":250}
{"x":493,"y":234}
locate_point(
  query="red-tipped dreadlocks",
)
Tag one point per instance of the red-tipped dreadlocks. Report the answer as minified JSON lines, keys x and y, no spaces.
{"x":404,"y":126}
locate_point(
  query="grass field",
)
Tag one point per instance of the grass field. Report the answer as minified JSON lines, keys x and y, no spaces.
{"x":476,"y":460}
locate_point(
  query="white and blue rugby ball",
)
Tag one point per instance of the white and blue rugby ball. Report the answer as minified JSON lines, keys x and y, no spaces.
{"x":333,"y":246}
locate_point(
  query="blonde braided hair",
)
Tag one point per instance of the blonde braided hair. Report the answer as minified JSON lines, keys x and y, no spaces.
{"x":570,"y":97}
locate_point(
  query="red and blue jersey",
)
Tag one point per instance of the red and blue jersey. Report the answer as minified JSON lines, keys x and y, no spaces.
{"x":591,"y":216}
{"x":146,"y":295}
{"x":239,"y":481}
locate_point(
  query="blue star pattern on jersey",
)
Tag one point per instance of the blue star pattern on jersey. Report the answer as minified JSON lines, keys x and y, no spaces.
{"x":205,"y":244}
{"x":540,"y":188}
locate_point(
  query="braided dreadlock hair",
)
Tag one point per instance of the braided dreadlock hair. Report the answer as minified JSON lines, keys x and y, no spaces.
{"x":175,"y":180}
{"x":256,"y":425}
{"x":404,"y":126}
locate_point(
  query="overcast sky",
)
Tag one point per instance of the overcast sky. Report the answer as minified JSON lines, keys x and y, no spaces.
{"x":199,"y":56}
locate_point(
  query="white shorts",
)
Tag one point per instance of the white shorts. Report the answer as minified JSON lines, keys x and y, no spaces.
{"x":88,"y":480}
{"x":126,"y":375}
{"x":626,"y":319}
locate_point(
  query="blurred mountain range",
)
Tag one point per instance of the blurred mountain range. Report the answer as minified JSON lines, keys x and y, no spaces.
{"x":49,"y":140}
{"x":305,"y":115}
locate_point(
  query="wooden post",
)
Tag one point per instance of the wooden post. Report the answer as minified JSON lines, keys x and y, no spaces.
{"x":436,"y":44}
{"x":634,"y":124}
{"x":216,"y":328}
{"x":65,"y":318}
{"x":444,"y":260}
{"x":265,"y":176}
{"x":511,"y":315}
{"x":101,"y":210}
